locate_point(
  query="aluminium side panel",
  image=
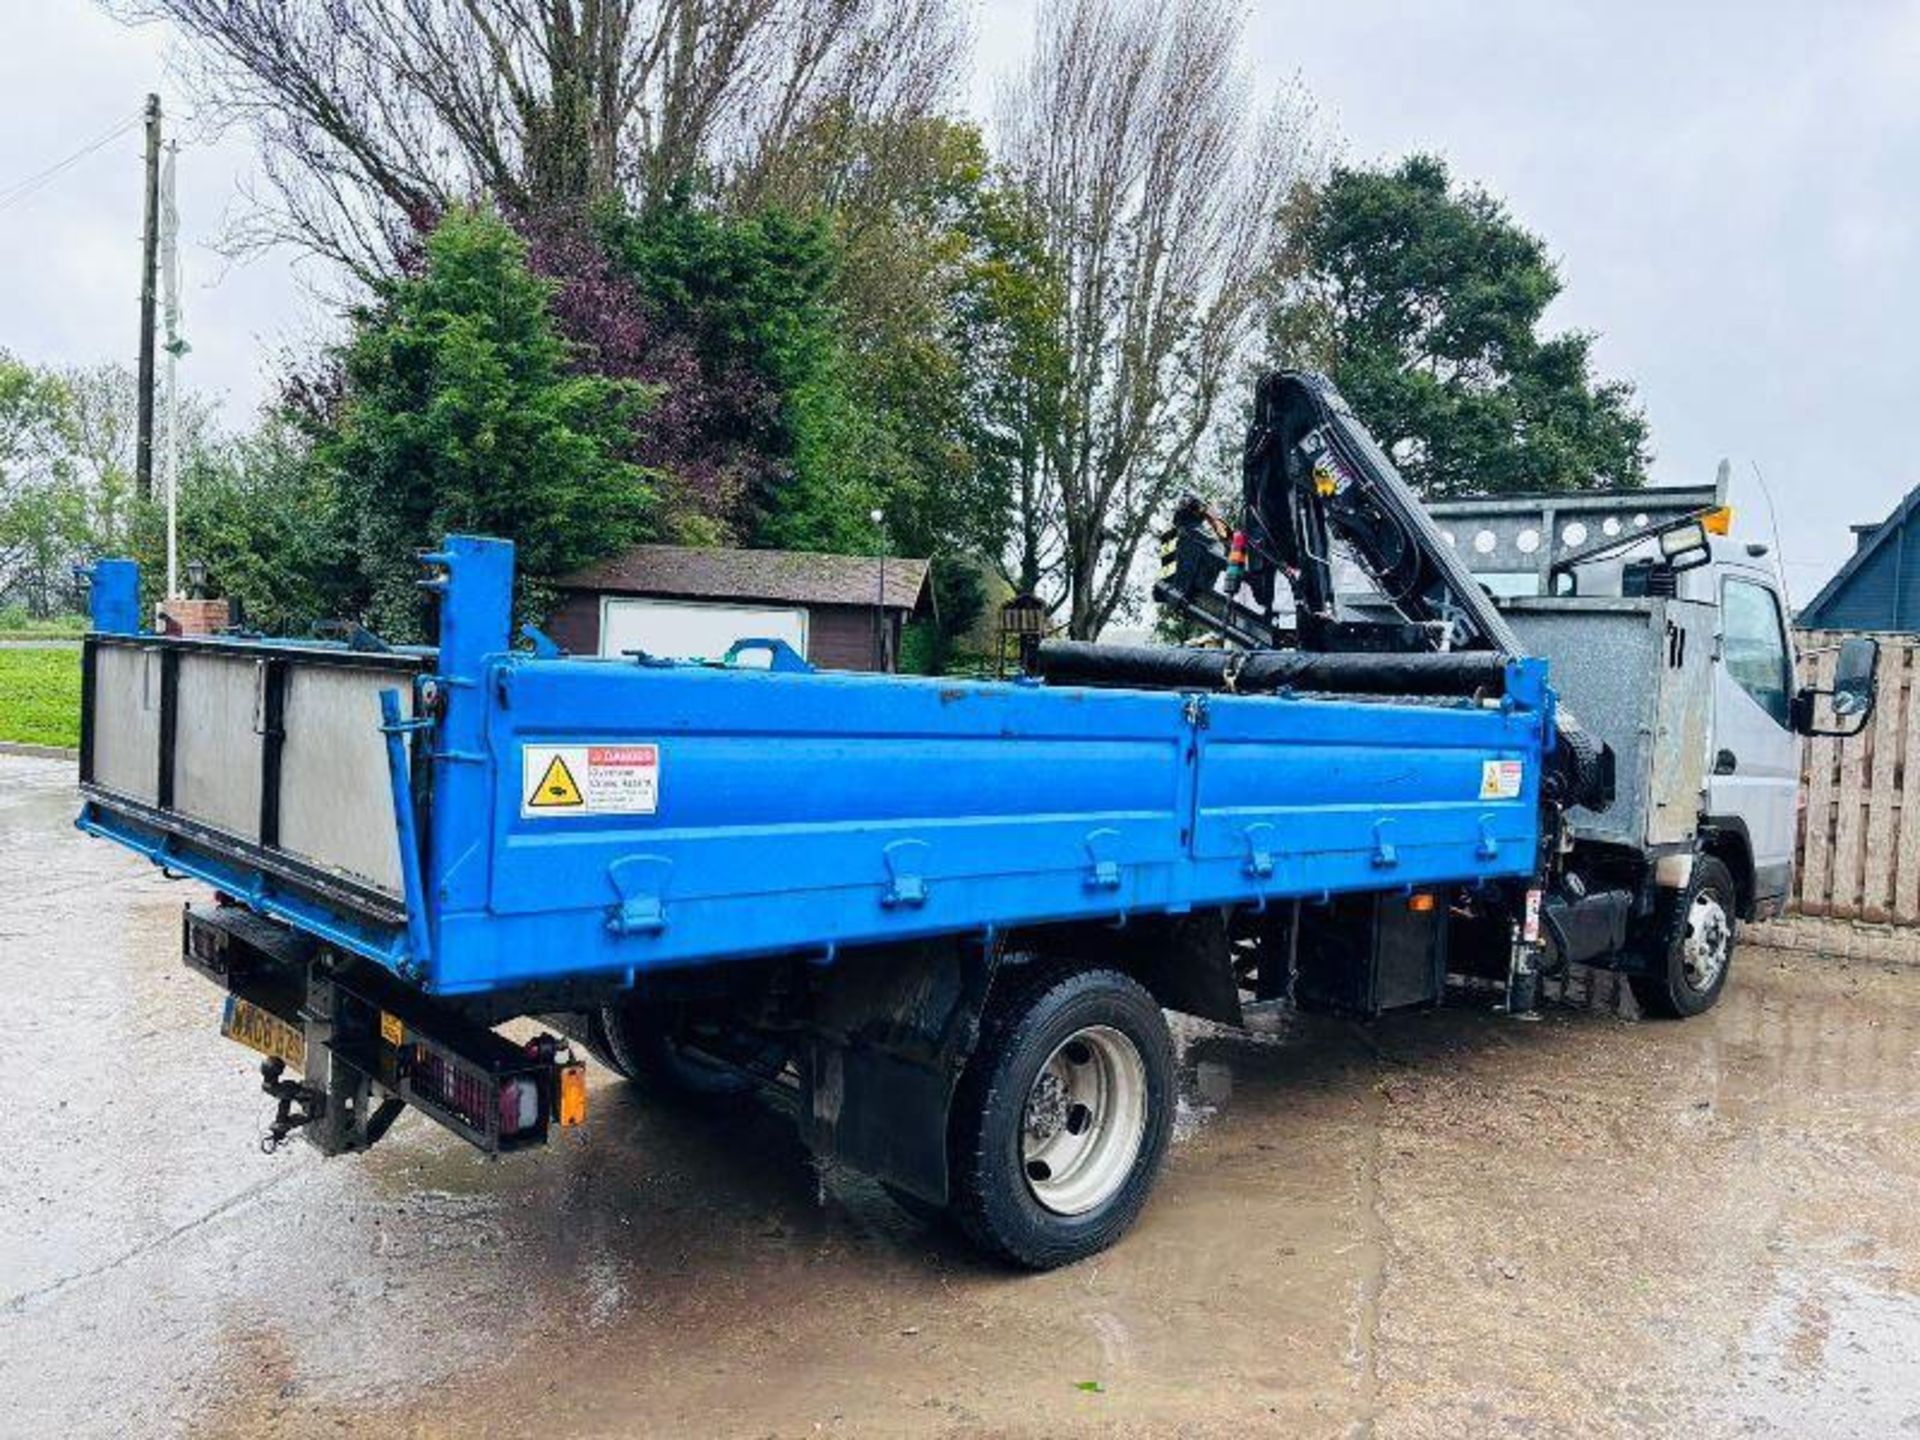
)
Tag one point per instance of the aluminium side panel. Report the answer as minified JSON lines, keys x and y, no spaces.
{"x":336,"y":801}
{"x":124,"y":716}
{"x":1604,"y":657}
{"x":1683,"y":723}
{"x":217,"y":741}
{"x":258,"y":766}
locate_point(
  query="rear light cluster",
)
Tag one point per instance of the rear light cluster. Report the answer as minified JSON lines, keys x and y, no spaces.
{"x":504,"y":1106}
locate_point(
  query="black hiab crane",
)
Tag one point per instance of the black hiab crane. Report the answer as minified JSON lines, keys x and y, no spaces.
{"x":1313,"y":477}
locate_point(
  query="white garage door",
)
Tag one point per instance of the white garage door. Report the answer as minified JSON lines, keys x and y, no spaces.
{"x":695,"y":630}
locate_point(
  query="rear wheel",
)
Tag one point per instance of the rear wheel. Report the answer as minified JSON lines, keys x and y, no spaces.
{"x":658,"y":1047}
{"x":1691,"y":951}
{"x":1062,"y":1118}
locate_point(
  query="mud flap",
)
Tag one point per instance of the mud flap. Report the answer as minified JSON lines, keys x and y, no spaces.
{"x":892,"y":1031}
{"x":881,"y":1114}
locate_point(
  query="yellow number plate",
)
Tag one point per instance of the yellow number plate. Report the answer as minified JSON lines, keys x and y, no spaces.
{"x":262,"y":1030}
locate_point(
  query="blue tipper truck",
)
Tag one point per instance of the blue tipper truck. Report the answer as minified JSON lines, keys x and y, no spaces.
{"x":940,"y":918}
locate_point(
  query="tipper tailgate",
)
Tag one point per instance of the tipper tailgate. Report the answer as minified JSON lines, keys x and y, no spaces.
{"x":266,"y":756}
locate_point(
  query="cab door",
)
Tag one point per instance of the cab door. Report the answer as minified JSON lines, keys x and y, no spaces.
{"x":1754,"y":764}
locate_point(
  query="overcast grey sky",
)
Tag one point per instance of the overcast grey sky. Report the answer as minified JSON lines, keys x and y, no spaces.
{"x":1728,"y":187}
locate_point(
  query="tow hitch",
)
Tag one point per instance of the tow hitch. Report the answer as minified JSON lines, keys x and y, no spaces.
{"x":300,"y":1105}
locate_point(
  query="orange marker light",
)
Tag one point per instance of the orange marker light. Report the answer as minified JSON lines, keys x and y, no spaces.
{"x":573,"y":1095}
{"x":1718,"y":522}
{"x":1421,"y":903}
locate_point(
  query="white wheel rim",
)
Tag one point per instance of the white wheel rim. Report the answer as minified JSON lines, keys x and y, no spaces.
{"x":1085,"y":1119}
{"x":1703,"y":955}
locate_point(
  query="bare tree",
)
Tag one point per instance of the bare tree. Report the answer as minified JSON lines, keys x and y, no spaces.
{"x":374,"y":114}
{"x":1158,"y":191}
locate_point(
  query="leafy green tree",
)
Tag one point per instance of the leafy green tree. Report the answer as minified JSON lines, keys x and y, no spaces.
{"x":756,"y":293}
{"x":66,"y":474}
{"x":460,"y":414}
{"x":946,"y":301}
{"x":45,"y":509}
{"x":1009,"y":318}
{"x":40,"y":510}
{"x":99,"y":419}
{"x":1424,"y":302}
{"x":944,"y":310}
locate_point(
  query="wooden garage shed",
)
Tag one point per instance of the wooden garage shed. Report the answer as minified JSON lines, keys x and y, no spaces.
{"x":842,"y":612}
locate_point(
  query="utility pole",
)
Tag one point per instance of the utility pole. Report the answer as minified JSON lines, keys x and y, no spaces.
{"x":149,"y":259}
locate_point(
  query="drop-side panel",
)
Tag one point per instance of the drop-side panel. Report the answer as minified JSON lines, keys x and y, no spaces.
{"x":770,"y":786}
{"x":806,"y":812}
{"x":125,"y":720}
{"x":336,"y":801}
{"x":1307,"y":795}
{"x":798,"y":812}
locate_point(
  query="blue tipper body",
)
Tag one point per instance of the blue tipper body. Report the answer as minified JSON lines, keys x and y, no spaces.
{"x":729,"y":812}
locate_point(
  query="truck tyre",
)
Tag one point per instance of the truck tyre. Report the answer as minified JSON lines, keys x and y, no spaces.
{"x":1691,"y":947}
{"x":591,"y":1032}
{"x":642,"y":1043}
{"x":925,"y":1211}
{"x":1061,"y":1119}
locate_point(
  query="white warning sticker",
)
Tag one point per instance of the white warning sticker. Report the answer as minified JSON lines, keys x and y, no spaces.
{"x":1500,"y":779}
{"x":558,"y":780}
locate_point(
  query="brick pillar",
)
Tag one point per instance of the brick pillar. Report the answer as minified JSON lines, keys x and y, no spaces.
{"x":194,"y":617}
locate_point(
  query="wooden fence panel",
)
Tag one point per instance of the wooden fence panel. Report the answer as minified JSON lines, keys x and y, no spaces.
{"x":1881,"y":757}
{"x":1819,"y":765}
{"x":1906,"y":878}
{"x":1858,"y":848}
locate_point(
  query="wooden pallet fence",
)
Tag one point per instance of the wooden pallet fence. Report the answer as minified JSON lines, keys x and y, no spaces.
{"x":1858,"y":848}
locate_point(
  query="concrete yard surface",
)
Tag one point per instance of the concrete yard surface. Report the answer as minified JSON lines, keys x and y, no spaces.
{"x":1451,"y":1225}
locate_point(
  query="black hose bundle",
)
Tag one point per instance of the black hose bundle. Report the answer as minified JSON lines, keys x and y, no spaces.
{"x":1579,"y":773}
{"x":1260,"y":672}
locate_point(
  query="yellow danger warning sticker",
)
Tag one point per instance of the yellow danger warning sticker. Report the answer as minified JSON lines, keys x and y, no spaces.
{"x":1501,"y":779}
{"x":560,"y":780}
{"x":557,"y":789}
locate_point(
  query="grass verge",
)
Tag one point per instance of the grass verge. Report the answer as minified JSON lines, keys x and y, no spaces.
{"x":40,"y":696}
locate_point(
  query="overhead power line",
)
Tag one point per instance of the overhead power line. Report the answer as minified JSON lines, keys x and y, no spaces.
{"x":32,"y":185}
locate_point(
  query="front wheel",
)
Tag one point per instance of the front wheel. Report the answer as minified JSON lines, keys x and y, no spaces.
{"x":1691,"y":949}
{"x":1062,"y":1118}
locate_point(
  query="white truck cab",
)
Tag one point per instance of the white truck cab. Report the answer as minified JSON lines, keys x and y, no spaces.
{"x":1753,"y":771}
{"x":1673,"y":644}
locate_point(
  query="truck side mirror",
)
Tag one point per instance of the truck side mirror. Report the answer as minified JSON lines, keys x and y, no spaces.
{"x":1855,"y":676}
{"x":1855,"y":688}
